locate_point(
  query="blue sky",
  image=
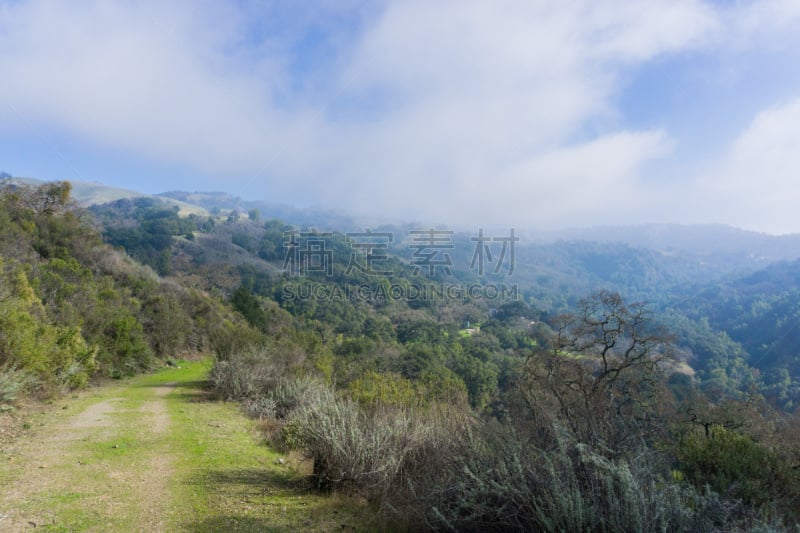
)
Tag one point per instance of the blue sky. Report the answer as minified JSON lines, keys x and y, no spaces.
{"x":533,"y":113}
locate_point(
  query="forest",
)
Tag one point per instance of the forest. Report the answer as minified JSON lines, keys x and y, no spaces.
{"x":614,"y":388}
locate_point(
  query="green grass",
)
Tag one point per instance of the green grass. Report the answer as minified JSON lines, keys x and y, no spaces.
{"x":208,"y":466}
{"x":232,"y":481}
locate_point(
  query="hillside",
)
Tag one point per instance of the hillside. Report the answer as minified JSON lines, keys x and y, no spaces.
{"x":761,"y":313}
{"x":396,"y":358}
{"x":74,"y":308}
{"x":224,"y":203}
{"x":690,"y":275}
{"x":92,"y":193}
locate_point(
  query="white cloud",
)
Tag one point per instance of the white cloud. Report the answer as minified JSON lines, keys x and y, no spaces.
{"x":138,"y":77}
{"x":486,"y":102}
{"x":756,"y":183}
{"x":428,"y":109}
{"x":766,"y":22}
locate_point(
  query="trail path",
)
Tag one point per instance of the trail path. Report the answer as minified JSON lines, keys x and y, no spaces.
{"x":155,"y":454}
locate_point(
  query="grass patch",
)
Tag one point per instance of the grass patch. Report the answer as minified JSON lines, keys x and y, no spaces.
{"x":232,"y":481}
{"x":155,"y":453}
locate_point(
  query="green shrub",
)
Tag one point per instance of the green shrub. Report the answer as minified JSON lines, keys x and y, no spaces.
{"x":230,"y":338}
{"x":13,"y":382}
{"x":374,"y":389}
{"x":730,"y":463}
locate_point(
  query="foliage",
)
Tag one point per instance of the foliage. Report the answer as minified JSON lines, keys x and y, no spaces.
{"x":730,"y":463}
{"x":374,"y":389}
{"x":57,"y":355}
{"x":13,"y":383}
{"x":71,"y":307}
{"x":497,"y":480}
{"x":557,"y":421}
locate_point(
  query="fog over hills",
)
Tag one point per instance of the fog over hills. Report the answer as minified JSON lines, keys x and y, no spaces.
{"x":702,"y":240}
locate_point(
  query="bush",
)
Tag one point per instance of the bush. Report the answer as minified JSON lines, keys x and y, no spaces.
{"x":498,"y":481}
{"x":13,"y":382}
{"x":357,"y":450}
{"x":244,"y":375}
{"x":260,"y":408}
{"x":290,"y":395}
{"x":230,"y":338}
{"x":730,"y":463}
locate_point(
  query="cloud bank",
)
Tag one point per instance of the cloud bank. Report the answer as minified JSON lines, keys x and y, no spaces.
{"x":508,"y":112}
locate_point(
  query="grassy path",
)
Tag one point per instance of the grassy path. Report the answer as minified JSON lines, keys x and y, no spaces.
{"x":155,"y":454}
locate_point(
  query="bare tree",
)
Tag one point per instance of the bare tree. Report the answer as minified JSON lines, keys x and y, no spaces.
{"x":600,"y":370}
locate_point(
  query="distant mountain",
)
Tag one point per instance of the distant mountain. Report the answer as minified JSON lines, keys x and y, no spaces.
{"x":731,"y":296}
{"x":93,"y":193}
{"x":701,"y":239}
{"x":317,"y":217}
{"x":761,"y":312}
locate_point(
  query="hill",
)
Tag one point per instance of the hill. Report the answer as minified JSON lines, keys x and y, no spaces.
{"x":73,"y":308}
{"x":225,"y":204}
{"x":396,"y":359}
{"x":91,"y":193}
{"x":760,"y":312}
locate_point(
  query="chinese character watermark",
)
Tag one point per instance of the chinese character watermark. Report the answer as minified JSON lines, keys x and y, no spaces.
{"x":483,"y":252}
{"x":427,"y":245}
{"x":374,"y":246}
{"x":307,"y":252}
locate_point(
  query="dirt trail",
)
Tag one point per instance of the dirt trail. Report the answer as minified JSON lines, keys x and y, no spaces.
{"x":110,"y":457}
{"x":155,"y":453}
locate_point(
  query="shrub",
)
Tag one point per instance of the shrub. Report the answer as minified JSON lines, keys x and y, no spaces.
{"x":375,"y":389}
{"x":13,"y":382}
{"x":230,"y":338}
{"x":353,"y":449}
{"x":260,"y":408}
{"x":244,"y":375}
{"x":498,"y":481}
{"x":290,"y":395}
{"x":729,"y":463}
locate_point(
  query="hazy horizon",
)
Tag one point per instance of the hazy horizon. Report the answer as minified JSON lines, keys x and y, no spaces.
{"x":553,"y":115}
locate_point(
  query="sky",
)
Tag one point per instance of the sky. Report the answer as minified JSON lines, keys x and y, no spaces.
{"x":541,"y":114}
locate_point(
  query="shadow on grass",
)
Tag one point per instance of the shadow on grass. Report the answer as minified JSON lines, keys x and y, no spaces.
{"x":195,"y":391}
{"x":243,"y":523}
{"x":249,"y":484}
{"x":253,"y":480}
